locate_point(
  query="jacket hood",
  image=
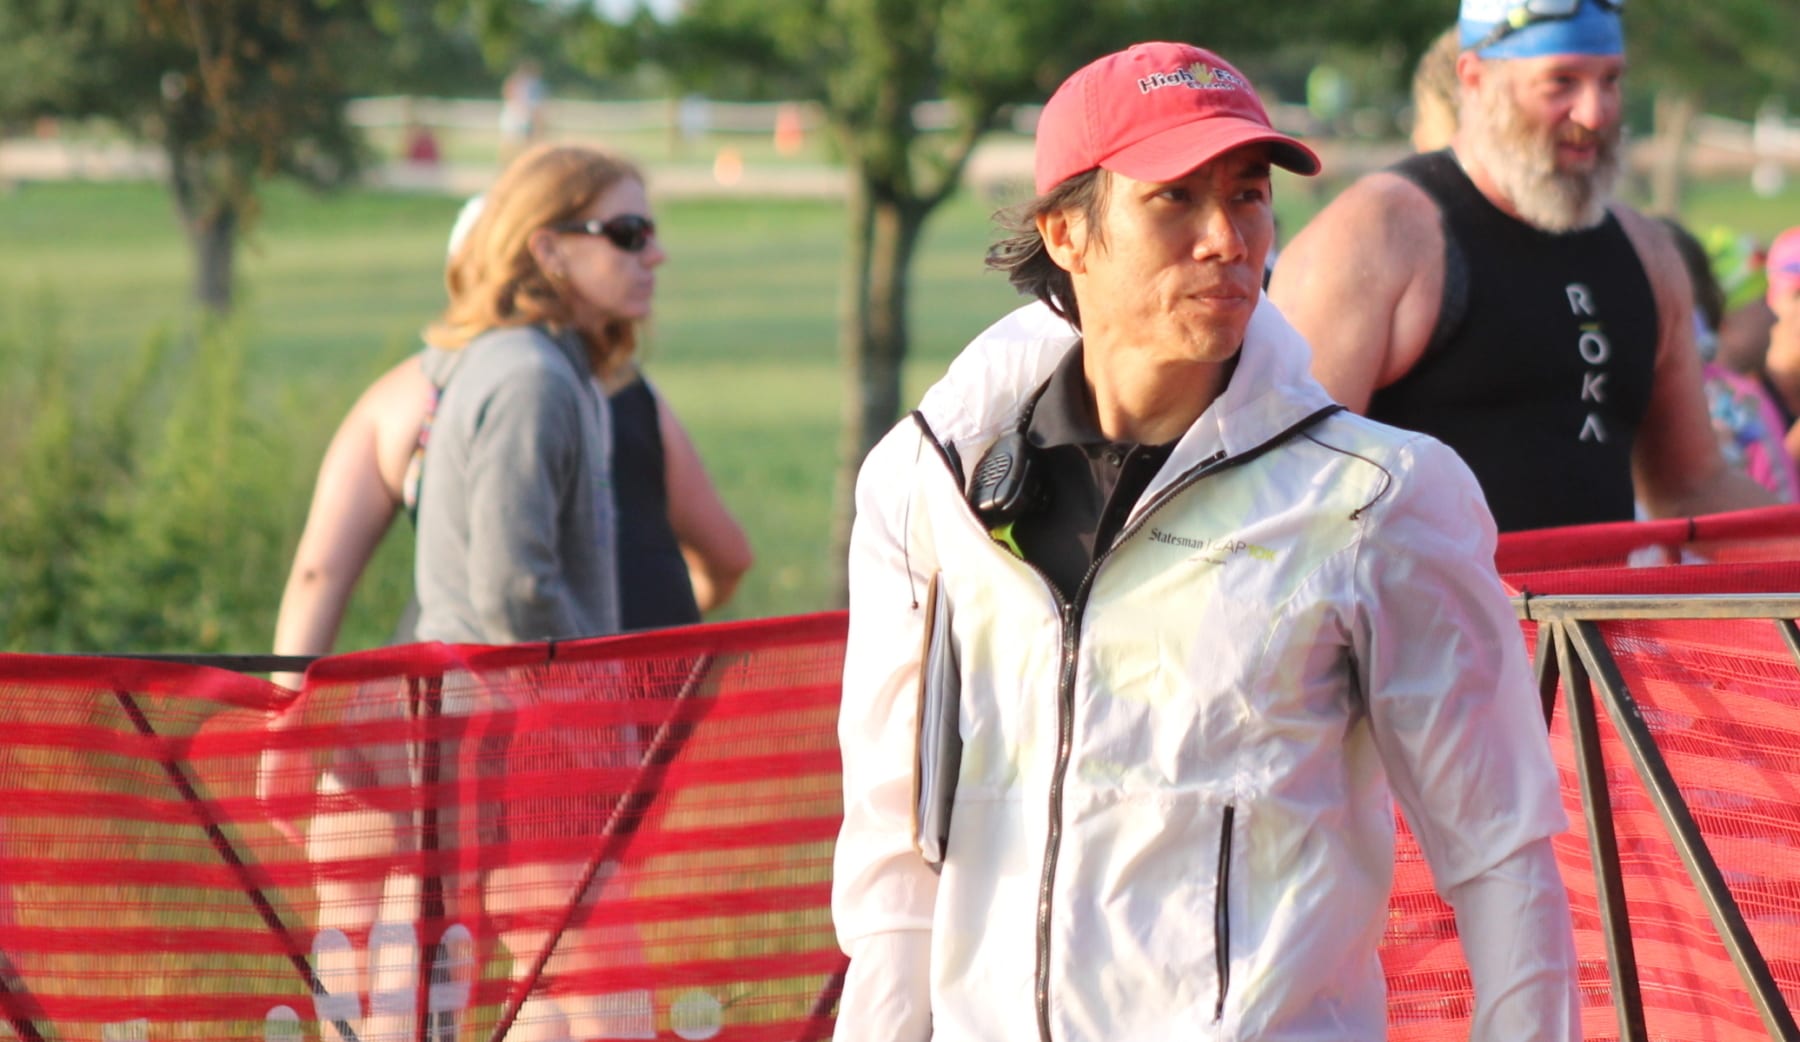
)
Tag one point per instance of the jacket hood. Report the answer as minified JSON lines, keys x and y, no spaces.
{"x":984,"y":390}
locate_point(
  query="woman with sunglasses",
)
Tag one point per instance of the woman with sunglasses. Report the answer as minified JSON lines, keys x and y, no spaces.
{"x":530,"y":491}
{"x":518,"y":530}
{"x":562,"y":263}
{"x":684,"y":552}
{"x":546,"y":299}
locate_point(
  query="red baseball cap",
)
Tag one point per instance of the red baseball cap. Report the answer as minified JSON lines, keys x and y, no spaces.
{"x":1154,"y":112}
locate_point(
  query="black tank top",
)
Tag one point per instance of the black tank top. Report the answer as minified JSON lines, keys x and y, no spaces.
{"x":654,"y":589}
{"x":1539,"y":370}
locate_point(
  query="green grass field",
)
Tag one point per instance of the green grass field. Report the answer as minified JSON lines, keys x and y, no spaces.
{"x":333,"y":290}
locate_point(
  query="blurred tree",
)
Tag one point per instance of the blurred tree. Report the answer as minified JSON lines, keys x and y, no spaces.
{"x":419,"y":47}
{"x":462,"y":48}
{"x":872,"y":63}
{"x":231,"y":92}
{"x":1724,"y":55}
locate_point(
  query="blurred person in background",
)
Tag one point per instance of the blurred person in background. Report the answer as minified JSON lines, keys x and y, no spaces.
{"x":522,"y":97}
{"x":1739,"y":262}
{"x":683,"y":551}
{"x":518,"y":527}
{"x":1782,"y":361}
{"x":679,"y":549}
{"x":1749,"y":424}
{"x":1495,"y":296}
{"x":531,"y":487}
{"x":1435,"y":93}
{"x":362,"y":485}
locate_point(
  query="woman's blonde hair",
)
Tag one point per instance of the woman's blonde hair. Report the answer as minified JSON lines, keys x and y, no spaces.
{"x":493,"y":278}
{"x":1436,"y":94}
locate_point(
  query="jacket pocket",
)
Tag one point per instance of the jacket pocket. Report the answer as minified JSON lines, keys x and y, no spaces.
{"x":1222,"y":913}
{"x":1139,"y":896}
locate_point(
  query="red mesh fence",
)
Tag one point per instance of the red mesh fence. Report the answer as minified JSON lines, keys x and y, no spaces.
{"x":631,"y":838}
{"x":1625,"y":557}
{"x":1722,"y":701}
{"x":464,"y":832}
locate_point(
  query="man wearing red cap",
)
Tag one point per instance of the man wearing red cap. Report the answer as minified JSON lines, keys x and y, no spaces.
{"x":1493,"y":296}
{"x":1146,"y":634}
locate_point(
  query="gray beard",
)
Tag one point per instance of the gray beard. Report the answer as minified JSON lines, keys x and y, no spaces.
{"x":1521,"y":163}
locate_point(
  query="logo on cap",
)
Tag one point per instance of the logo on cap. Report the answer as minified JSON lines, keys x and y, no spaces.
{"x":1197,"y":76}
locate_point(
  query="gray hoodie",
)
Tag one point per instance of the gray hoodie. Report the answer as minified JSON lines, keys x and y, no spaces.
{"x":517,"y":530}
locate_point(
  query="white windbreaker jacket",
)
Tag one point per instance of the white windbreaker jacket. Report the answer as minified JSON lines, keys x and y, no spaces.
{"x":1173,"y":818}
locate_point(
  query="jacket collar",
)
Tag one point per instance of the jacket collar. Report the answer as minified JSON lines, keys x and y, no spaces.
{"x":986,"y":387}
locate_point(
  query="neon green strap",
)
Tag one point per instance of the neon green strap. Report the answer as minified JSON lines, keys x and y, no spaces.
{"x":1004,"y":536}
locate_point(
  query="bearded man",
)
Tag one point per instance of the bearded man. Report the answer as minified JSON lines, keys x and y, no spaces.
{"x":1495,"y":296}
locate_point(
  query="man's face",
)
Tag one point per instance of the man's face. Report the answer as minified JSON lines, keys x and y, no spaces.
{"x":1548,"y":131}
{"x":1178,"y":268}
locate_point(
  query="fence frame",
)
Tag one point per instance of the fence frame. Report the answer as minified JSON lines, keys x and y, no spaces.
{"x":1590,"y":677}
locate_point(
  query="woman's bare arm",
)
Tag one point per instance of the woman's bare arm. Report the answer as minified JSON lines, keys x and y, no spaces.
{"x":717,"y":551}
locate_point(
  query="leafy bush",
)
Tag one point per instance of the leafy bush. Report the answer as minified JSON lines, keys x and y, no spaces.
{"x":66,"y":451}
{"x":148,"y":503}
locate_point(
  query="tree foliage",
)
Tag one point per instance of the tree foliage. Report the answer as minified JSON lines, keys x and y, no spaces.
{"x":146,"y":512}
{"x":232,"y":93}
{"x":1724,"y":56}
{"x":1731,"y":53}
{"x":462,"y":48}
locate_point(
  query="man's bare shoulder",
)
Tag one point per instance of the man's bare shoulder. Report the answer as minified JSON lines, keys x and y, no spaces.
{"x":1670,"y":284}
{"x":1362,"y":283}
{"x":1381,"y":231}
{"x":1379,"y":208}
{"x":1655,"y":247}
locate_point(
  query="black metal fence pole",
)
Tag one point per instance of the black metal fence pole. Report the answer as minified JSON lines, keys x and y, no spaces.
{"x":1603,"y":843}
{"x":1685,"y":833}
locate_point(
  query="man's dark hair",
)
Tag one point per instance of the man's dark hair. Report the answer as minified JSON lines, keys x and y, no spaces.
{"x":1021,"y":254}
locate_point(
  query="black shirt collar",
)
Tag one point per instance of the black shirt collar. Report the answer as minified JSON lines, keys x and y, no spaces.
{"x":1064,"y":414}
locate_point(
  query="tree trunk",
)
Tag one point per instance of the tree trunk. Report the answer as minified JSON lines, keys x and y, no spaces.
{"x":214,"y":235}
{"x":1674,"y":119}
{"x":209,"y":214}
{"x":884,"y":231}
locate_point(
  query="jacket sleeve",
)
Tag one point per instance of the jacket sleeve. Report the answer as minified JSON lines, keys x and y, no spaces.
{"x":1514,"y":921}
{"x":882,"y":891}
{"x":523,"y":456}
{"x":1456,"y":718}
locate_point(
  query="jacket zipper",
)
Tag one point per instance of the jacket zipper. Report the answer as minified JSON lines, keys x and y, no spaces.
{"x":1070,"y":612}
{"x":1065,"y":742}
{"x":1065,"y":695}
{"x":1065,"y":714}
{"x":1222,"y":914}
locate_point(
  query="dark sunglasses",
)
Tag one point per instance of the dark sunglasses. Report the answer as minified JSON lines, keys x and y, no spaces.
{"x":1531,"y":12}
{"x":629,"y":231}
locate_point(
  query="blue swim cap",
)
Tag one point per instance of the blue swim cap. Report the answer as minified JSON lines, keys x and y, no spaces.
{"x":1595,"y":28}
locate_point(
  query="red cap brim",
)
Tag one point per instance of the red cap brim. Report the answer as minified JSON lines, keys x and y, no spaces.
{"x":1179,"y":150}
